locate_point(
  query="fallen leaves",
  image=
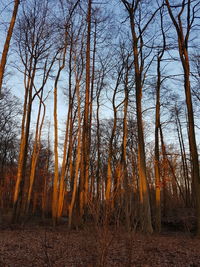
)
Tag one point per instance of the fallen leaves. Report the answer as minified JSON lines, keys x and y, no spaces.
{"x":59,"y":247}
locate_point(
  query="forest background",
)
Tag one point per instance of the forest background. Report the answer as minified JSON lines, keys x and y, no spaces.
{"x":99,"y":112}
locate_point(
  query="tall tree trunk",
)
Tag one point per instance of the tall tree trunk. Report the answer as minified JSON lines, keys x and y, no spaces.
{"x":36,"y":151}
{"x":137,"y":43}
{"x":110,"y":151}
{"x":56,"y":171}
{"x":78,"y":159}
{"x":86,"y":122}
{"x":92,"y":183}
{"x":183,"y":159}
{"x":144,"y":192}
{"x":98,"y":168}
{"x":56,"y":174}
{"x":7,"y":42}
{"x":26,"y":119}
{"x":183,"y":53}
{"x":125,"y":178}
{"x":157,"y":151}
{"x":157,"y":126}
{"x":99,"y":178}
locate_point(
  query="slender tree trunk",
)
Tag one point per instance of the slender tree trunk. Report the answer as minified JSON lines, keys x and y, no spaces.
{"x":67,"y":159}
{"x":19,"y":186}
{"x":7,"y":42}
{"x":99,"y":178}
{"x":98,"y":170}
{"x":127,"y":195}
{"x":164,"y":175}
{"x":78,"y":159}
{"x":45,"y":188}
{"x":36,"y":151}
{"x":184,"y":164}
{"x":110,"y":152}
{"x":157,"y":152}
{"x":91,"y":97}
{"x":86,"y":123}
{"x":56,"y":171}
{"x":187,"y":182}
{"x":56,"y":174}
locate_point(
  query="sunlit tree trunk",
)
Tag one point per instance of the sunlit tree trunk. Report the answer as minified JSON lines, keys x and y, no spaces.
{"x":32,"y":36}
{"x":63,"y":168}
{"x":138,"y":44}
{"x":36,"y":151}
{"x":7,"y":42}
{"x":123,"y":163}
{"x":26,"y":119}
{"x":56,"y":170}
{"x":183,"y":37}
{"x":78,"y":152}
{"x":68,"y":132}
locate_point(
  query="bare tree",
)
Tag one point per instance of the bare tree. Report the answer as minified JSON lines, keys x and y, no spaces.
{"x":33,"y":36}
{"x":56,"y":170}
{"x":139,"y":25}
{"x":9,"y":130}
{"x":190,"y":9}
{"x":86,"y":124}
{"x":157,"y":126}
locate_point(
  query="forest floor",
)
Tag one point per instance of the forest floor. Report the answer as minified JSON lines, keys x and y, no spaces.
{"x":48,"y":246}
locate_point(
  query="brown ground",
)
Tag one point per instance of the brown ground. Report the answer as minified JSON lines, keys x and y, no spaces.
{"x":45,"y":246}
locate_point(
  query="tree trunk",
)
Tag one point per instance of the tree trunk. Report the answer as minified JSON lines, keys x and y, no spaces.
{"x":35,"y":153}
{"x":56,"y":171}
{"x":144,"y":191}
{"x":7,"y":42}
{"x":157,"y":152}
{"x":145,"y":211}
{"x":78,"y":159}
{"x":127,"y":195}
{"x":86,"y":122}
{"x":183,"y":53}
{"x":19,"y":186}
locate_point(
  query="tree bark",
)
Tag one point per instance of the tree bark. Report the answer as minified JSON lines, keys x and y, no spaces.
{"x":26,"y":119}
{"x":36,"y":151}
{"x":78,"y":159}
{"x":7,"y":42}
{"x":86,"y":122}
{"x":145,"y":211}
{"x":56,"y":171}
{"x":184,"y":56}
